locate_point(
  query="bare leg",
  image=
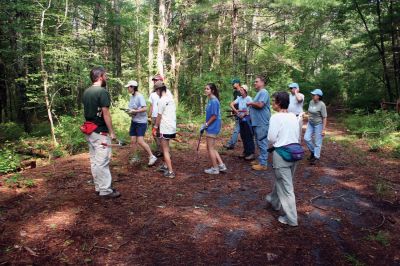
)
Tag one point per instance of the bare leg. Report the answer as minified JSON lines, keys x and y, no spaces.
{"x":212,"y":152}
{"x":167,"y":156}
{"x":144,"y":145}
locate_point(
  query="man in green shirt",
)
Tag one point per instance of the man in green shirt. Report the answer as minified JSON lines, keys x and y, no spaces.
{"x":96,"y":103}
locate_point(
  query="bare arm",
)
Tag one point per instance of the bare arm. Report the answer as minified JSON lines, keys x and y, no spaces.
{"x":211,"y":120}
{"x":140,"y":110}
{"x":324,"y":120}
{"x":257,"y":105}
{"x":299,"y":97}
{"x":107,"y":120}
{"x":232,"y":105}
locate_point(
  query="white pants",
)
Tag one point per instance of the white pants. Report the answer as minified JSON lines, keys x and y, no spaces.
{"x":282,"y":195}
{"x":100,"y":156}
{"x":300,"y":119}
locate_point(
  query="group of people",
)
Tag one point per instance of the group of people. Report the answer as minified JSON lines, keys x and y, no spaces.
{"x":253,"y":121}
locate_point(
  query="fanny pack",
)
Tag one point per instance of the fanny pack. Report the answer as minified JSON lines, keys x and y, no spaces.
{"x":291,"y":152}
{"x":88,"y":127}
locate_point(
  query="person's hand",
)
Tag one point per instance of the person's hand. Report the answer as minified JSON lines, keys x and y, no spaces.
{"x":323,"y":133}
{"x":154,"y":131}
{"x":112,"y":135}
{"x":249,"y":104}
{"x":296,"y":90}
{"x":202,"y":128}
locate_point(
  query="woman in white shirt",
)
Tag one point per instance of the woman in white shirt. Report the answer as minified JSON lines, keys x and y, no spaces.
{"x":283,"y":130}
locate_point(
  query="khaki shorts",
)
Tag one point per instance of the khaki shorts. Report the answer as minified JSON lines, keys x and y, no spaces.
{"x":214,"y":136}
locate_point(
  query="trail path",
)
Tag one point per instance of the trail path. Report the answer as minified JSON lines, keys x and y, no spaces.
{"x":200,"y":219}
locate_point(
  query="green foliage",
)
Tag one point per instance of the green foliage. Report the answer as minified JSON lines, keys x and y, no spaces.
{"x":381,"y":128}
{"x":9,"y":160}
{"x":383,"y":188}
{"x":11,"y":131}
{"x":19,"y":181}
{"x":69,"y":134}
{"x":380,"y":237}
{"x":353,"y":260}
{"x":121,"y":121}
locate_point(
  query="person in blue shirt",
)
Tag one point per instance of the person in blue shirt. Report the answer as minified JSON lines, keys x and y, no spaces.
{"x":212,"y":127}
{"x":241,"y":110}
{"x":260,"y":114}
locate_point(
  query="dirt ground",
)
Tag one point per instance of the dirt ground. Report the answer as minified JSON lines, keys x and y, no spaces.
{"x":196,"y":219}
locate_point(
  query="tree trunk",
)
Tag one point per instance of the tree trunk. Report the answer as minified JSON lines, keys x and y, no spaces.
{"x":3,"y":93}
{"x":45,"y":75}
{"x":383,"y":52}
{"x":162,"y":36}
{"x":95,"y":21}
{"x":138,"y":63}
{"x":394,"y":29}
{"x":116,"y":43}
{"x":234,"y":37}
{"x":150,"y":47}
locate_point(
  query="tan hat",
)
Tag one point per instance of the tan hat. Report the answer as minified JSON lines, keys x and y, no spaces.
{"x":132,"y":83}
{"x":157,"y":77}
{"x":158,"y":84}
{"x":245,"y":87}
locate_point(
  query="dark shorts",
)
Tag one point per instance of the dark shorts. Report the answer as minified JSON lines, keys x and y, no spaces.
{"x":137,"y":129}
{"x":166,"y":136}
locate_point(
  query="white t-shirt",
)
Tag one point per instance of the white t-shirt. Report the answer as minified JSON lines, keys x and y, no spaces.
{"x":283,"y":129}
{"x":167,"y":110}
{"x":295,"y":106}
{"x":153,"y":99}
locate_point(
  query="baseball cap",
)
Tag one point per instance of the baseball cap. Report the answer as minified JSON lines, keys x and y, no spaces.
{"x":317,"y":92}
{"x":158,"y":84}
{"x":293,"y":85}
{"x":158,"y":77}
{"x":132,"y":83}
{"x":235,"y":80}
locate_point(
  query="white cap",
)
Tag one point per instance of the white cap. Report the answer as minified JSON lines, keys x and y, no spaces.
{"x":132,"y":83}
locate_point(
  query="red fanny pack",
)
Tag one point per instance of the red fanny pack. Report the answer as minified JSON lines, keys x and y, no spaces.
{"x":88,"y":127}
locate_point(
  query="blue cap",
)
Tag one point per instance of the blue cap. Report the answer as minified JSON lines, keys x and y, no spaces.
{"x":293,"y":85}
{"x":235,"y":80}
{"x":317,"y":92}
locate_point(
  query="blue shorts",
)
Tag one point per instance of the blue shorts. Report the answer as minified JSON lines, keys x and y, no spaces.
{"x":137,"y":129}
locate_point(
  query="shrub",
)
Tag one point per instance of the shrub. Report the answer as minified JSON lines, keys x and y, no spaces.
{"x":9,"y":161}
{"x":69,"y":134}
{"x":19,"y":181}
{"x":11,"y":131}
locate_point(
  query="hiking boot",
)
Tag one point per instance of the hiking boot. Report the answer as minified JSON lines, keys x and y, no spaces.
{"x":250,"y":157}
{"x":314,"y":161}
{"x":162,"y":168}
{"x":152,"y":160}
{"x":259,"y":167}
{"x":311,"y":157}
{"x":254,"y":162}
{"x":284,"y":220}
{"x":169,"y":174}
{"x":112,"y":195}
{"x":229,"y":147}
{"x":98,"y":192}
{"x":222,"y":168}
{"x":212,"y":171}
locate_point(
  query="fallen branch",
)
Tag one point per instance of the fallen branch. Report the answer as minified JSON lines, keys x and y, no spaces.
{"x":323,"y":197}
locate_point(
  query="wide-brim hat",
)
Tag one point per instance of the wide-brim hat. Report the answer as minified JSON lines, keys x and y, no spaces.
{"x":132,"y":83}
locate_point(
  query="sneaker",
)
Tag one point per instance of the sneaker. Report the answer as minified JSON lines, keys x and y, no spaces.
{"x":250,"y":157}
{"x":283,"y":220}
{"x":152,"y":160}
{"x":212,"y":171}
{"x":229,"y":147}
{"x":134,"y":160}
{"x":98,"y":192}
{"x":259,"y":167}
{"x":254,"y":162}
{"x":169,"y":174}
{"x":222,"y":168}
{"x":163,"y":168}
{"x":112,"y":195}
